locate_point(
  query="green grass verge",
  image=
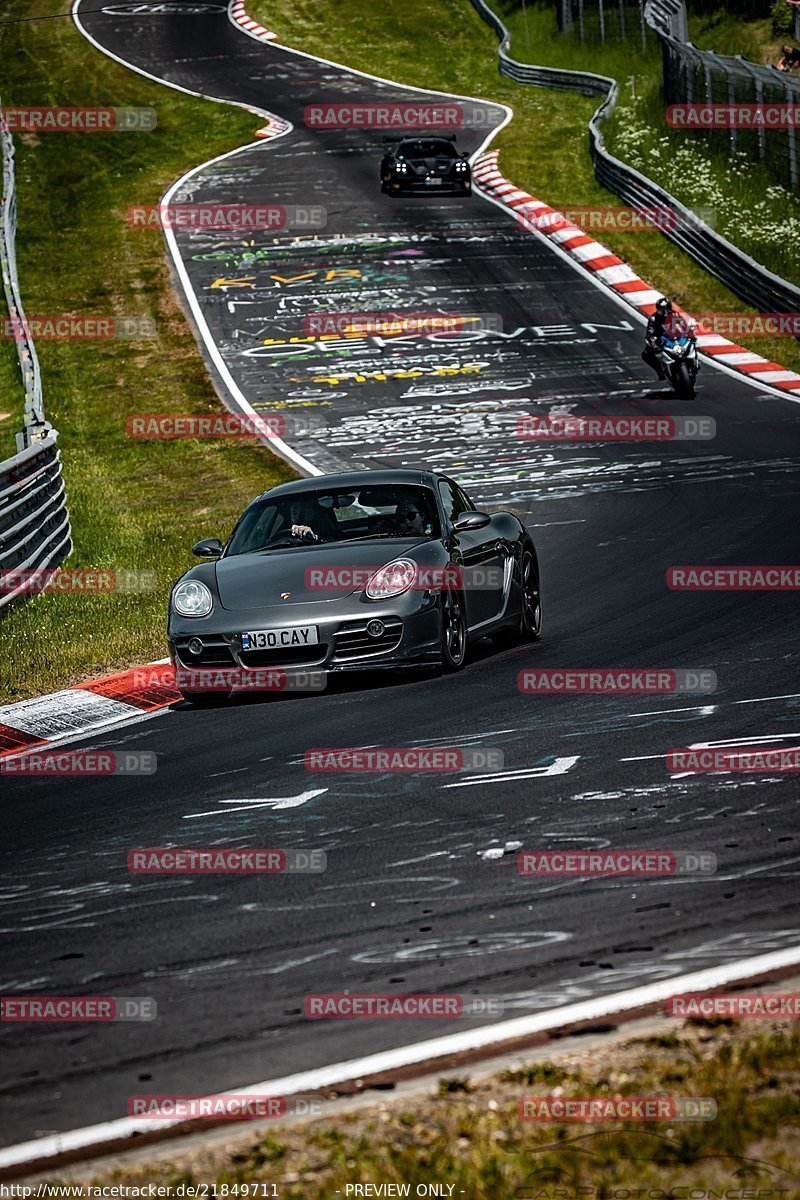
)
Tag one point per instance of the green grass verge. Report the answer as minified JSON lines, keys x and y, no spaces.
{"x":729,"y":33}
{"x":545,"y":147}
{"x":133,"y":504}
{"x":468,"y":1134}
{"x":752,"y":211}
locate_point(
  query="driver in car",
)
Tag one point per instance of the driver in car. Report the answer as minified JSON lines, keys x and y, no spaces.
{"x":308,"y":518}
{"x":410,"y":517}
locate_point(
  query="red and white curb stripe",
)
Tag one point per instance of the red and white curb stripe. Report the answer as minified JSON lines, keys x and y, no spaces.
{"x":86,"y":707}
{"x":274,"y":127}
{"x":239,"y":14}
{"x":617,"y":275}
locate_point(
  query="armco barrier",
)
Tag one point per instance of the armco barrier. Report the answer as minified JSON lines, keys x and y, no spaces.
{"x":748,"y":279}
{"x":692,"y":75}
{"x":34,"y":525}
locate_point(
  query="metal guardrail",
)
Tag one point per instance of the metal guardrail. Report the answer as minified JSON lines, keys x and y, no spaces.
{"x":749,"y":280}
{"x":26,"y":351}
{"x":34,"y":524}
{"x":694,"y":76}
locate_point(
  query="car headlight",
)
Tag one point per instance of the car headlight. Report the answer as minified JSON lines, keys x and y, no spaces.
{"x":392,"y":580}
{"x":192,"y":599}
{"x":401,"y":166}
{"x":461,"y":165}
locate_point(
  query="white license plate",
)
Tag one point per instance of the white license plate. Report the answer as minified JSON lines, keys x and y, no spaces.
{"x":433,"y":183}
{"x":281,"y":639}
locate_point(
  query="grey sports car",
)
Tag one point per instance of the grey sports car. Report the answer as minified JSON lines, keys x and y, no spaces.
{"x":346,"y":572}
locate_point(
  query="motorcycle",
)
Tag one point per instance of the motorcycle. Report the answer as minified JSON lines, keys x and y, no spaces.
{"x":678,"y":358}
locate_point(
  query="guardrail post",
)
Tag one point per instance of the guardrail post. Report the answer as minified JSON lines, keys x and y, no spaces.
{"x":682,"y":23}
{"x":759,"y":88}
{"x":731,"y":100}
{"x":580,"y":18}
{"x":790,"y":134}
{"x":602,"y":15}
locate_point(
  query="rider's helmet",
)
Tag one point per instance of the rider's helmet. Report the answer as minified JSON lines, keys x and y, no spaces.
{"x":663,"y":306}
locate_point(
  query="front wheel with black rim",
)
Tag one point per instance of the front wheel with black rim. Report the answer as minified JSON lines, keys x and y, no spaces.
{"x":454,"y":631}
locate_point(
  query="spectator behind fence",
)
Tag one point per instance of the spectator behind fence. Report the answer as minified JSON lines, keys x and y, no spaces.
{"x":790,"y":60}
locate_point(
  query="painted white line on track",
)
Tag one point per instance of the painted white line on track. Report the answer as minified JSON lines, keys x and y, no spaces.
{"x":559,"y":766}
{"x":278,"y":803}
{"x":724,"y":744}
{"x":422,"y":1052}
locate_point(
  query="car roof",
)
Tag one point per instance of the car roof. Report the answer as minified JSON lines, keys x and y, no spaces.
{"x":354,"y":479}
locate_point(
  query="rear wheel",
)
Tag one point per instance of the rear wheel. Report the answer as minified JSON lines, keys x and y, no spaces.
{"x":454,"y":631}
{"x":530,"y":625}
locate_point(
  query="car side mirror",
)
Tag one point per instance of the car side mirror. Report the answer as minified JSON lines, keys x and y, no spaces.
{"x":208,"y":548}
{"x":471,"y":520}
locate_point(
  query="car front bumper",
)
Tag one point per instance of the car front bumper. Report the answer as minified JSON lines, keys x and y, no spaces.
{"x":419,"y":185}
{"x":411,"y":635}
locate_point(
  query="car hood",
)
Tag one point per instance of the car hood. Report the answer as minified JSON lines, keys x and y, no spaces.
{"x":310,"y":574}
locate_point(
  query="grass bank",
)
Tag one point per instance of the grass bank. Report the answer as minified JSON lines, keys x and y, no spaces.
{"x":729,"y":33}
{"x":752,"y":211}
{"x":135,"y":505}
{"x":468,"y":1134}
{"x":544,"y":149}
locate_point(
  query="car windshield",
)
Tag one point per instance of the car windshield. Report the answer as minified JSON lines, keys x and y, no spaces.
{"x":427,"y":149}
{"x":360,"y":513}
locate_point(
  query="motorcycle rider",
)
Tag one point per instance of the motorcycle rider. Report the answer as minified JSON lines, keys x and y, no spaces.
{"x":664,"y":321}
{"x":656,"y":325}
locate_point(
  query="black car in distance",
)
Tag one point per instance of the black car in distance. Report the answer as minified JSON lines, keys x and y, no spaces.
{"x":425,"y":164}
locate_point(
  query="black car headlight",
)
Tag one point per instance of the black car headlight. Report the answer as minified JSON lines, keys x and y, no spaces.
{"x":462,"y":166}
{"x":192,"y":599}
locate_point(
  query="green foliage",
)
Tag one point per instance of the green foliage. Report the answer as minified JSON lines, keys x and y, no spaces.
{"x":782,"y":18}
